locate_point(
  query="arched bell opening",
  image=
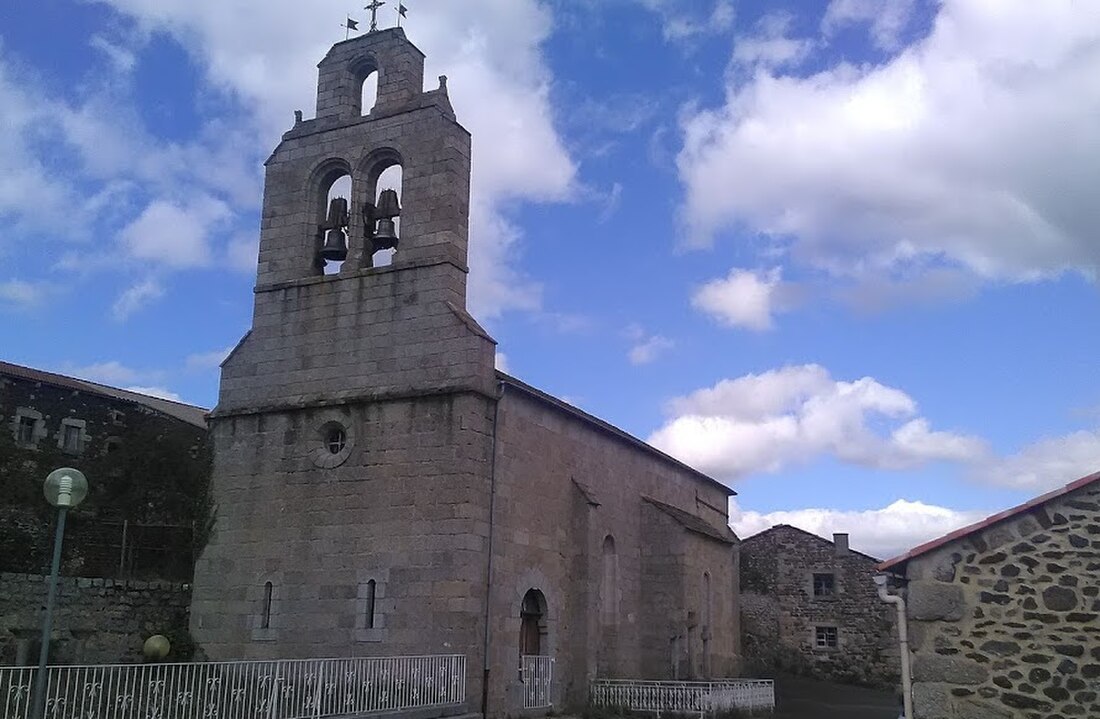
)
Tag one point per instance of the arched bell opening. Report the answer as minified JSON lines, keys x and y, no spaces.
{"x":365,"y":73}
{"x":334,"y":223}
{"x":382,"y":207}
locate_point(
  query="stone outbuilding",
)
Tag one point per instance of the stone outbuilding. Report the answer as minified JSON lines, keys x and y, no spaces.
{"x":1004,"y":615}
{"x":131,"y":543}
{"x":809,"y":606}
{"x":382,"y":490}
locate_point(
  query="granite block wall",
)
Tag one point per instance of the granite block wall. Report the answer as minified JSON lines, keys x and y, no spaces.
{"x":1005,"y":623}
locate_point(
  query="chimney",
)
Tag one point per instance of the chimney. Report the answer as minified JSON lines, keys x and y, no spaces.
{"x":840,"y":544}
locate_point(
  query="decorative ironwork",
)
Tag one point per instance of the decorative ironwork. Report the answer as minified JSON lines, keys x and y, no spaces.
{"x":285,"y":689}
{"x":537,"y":675}
{"x":684,"y":697}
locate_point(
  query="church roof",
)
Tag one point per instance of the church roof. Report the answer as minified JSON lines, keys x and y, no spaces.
{"x":803,"y":534}
{"x":609,"y":428}
{"x":690,"y":522}
{"x":188,"y":413}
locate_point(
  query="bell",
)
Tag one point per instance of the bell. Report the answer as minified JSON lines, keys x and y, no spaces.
{"x":335,"y":248}
{"x":385,"y":237}
{"x":388,"y":206}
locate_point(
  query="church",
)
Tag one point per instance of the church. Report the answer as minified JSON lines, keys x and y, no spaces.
{"x":381,"y":489}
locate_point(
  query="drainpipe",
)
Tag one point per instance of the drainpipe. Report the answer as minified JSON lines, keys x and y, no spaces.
{"x":489,"y":565}
{"x":903,"y":641}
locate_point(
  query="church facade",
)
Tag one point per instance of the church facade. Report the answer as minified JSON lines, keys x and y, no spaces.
{"x":381,"y":489}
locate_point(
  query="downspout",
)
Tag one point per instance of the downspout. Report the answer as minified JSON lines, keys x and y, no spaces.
{"x":903,"y":641}
{"x":489,"y":565}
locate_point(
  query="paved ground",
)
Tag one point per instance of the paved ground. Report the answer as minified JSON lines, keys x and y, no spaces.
{"x":809,"y":699}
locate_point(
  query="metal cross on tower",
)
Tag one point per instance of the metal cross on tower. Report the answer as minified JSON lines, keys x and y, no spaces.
{"x":373,"y":7}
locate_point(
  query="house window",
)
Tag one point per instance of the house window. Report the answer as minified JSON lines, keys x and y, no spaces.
{"x":825,"y":637}
{"x":72,"y":441}
{"x":824,"y":585}
{"x":24,"y":432}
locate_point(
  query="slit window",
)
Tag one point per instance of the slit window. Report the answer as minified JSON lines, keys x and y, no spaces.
{"x":265,"y":616}
{"x":369,"y":614}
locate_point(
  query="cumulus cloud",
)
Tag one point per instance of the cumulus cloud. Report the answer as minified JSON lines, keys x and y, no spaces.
{"x":885,"y":21}
{"x":882,"y":533}
{"x":1047,"y":463}
{"x":161,"y":392}
{"x":975,"y":148}
{"x":771,"y":46}
{"x":501,"y":361}
{"x":111,"y":372}
{"x":744,"y":298}
{"x":174,"y":234}
{"x":767,"y":422}
{"x":207,"y":360}
{"x":136,"y":298}
{"x":645,"y":347}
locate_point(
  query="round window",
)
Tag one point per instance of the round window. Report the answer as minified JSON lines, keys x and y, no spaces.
{"x":332,"y":444}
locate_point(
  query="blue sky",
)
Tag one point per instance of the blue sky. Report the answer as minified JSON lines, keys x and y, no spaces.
{"x":840,"y":255}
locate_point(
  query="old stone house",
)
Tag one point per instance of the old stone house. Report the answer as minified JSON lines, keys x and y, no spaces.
{"x":1004,"y":615}
{"x":809,"y":606}
{"x":382,"y":490}
{"x":133,"y":538}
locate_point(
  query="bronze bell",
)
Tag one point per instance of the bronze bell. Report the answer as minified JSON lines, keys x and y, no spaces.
{"x":385,"y":237}
{"x":388,"y":206}
{"x":335,"y":248}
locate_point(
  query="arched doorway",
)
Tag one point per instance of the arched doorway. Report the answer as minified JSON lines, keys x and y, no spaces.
{"x":532,"y":625}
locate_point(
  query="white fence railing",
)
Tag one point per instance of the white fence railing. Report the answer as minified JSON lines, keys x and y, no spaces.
{"x":537,"y":675}
{"x":283,"y":689}
{"x":685,"y":697}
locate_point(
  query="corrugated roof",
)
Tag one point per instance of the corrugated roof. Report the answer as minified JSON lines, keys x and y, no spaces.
{"x":891,"y":564}
{"x":692,"y":523}
{"x":186,"y":412}
{"x":609,"y":428}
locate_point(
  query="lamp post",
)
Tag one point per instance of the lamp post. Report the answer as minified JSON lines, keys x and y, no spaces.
{"x":64,"y":488}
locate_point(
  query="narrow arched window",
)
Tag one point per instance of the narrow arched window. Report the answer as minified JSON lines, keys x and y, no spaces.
{"x":334,"y":225}
{"x":706,"y":599}
{"x":609,"y":584}
{"x":369,"y":613}
{"x":386,"y":219}
{"x":265,"y":616}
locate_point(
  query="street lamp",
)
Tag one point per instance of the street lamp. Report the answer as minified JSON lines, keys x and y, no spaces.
{"x":64,"y":488}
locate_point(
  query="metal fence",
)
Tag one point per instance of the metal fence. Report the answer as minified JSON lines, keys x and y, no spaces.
{"x":284,"y":689}
{"x":537,"y":675}
{"x":685,"y":697}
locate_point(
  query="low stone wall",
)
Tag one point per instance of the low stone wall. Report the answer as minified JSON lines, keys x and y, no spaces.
{"x":96,"y":621}
{"x":1006,"y":623}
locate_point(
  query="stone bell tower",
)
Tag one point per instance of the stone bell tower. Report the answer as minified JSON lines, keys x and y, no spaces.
{"x":352,"y":436}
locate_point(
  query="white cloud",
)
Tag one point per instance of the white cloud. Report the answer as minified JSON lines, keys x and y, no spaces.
{"x":161,"y":392}
{"x":121,"y":58}
{"x":21,"y":294}
{"x":173,"y":234}
{"x":488,"y":49}
{"x":682,"y":20}
{"x":789,"y":416}
{"x":771,"y":46}
{"x":136,"y":298}
{"x":645,"y":347}
{"x":207,"y":360}
{"x":242,"y":252}
{"x":885,"y":20}
{"x":1047,"y":463}
{"x":744,"y":298}
{"x":501,"y":361}
{"x":111,"y":372}
{"x":977,"y":147}
{"x":882,"y":533}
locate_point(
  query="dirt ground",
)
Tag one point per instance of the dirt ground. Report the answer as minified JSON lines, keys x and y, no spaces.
{"x":797,"y":698}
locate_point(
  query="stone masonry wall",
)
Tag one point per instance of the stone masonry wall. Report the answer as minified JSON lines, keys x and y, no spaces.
{"x":1005,"y":623}
{"x":780,"y":612}
{"x":96,"y":621}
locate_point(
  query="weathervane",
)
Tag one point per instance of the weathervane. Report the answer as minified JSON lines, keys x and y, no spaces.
{"x":401,"y":10}
{"x":373,"y":7}
{"x":349,"y":26}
